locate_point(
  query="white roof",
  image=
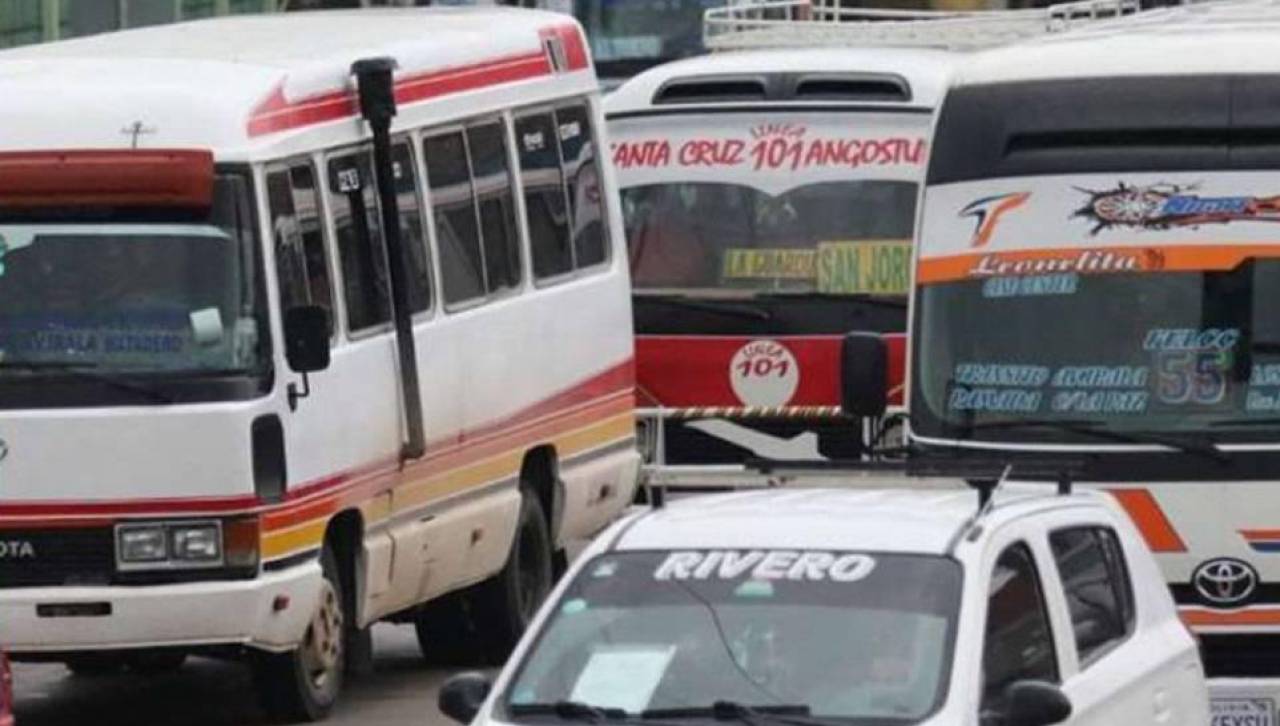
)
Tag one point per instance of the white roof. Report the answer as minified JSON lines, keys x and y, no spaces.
{"x":925,"y":69}
{"x":1205,"y":38}
{"x":200,"y":83}
{"x":921,"y":521}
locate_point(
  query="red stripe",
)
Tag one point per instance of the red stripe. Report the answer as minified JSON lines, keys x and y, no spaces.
{"x":606,"y":387}
{"x":277,"y":113}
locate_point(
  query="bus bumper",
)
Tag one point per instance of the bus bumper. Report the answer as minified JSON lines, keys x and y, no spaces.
{"x":247,"y":612}
{"x":1244,"y":701}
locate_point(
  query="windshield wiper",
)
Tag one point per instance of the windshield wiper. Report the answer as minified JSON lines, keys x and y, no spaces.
{"x":1197,"y":446}
{"x":579,"y":711}
{"x":789,"y":714}
{"x":711,"y":305}
{"x":888,"y":301}
{"x":86,"y":372}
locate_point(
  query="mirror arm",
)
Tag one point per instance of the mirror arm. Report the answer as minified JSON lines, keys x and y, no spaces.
{"x":295,"y":394}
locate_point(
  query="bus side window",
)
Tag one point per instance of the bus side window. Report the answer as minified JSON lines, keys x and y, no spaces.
{"x":354,"y":199}
{"x":411,"y":232}
{"x":544,"y":195}
{"x":491,"y":176}
{"x":457,"y":228}
{"x":302,"y":266}
{"x":582,"y":173}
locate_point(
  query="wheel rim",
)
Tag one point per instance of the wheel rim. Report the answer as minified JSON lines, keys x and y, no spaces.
{"x":531,"y":572}
{"x":322,"y":650}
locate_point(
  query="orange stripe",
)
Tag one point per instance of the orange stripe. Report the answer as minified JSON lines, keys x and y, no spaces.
{"x":1201,"y":618}
{"x":1261,"y":533}
{"x":1150,"y":519}
{"x":360,"y":488}
{"x":1172,"y":258}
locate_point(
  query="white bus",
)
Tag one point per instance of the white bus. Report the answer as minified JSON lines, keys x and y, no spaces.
{"x":769,"y":196}
{"x":1097,"y":263}
{"x":236,"y":417}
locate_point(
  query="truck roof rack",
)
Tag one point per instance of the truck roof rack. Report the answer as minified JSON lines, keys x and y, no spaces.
{"x":755,"y":24}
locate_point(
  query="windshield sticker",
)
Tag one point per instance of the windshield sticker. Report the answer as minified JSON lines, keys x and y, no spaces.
{"x":755,"y":264}
{"x":1072,"y":389}
{"x":870,"y":267}
{"x":622,"y":676}
{"x":770,"y":147}
{"x":574,"y":606}
{"x":1035,"y":285}
{"x":1191,"y":339}
{"x":1165,"y":206}
{"x":1087,"y":261}
{"x":1193,"y":376}
{"x":765,"y":565}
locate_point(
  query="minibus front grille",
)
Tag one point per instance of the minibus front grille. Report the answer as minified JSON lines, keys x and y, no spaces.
{"x":43,"y":558}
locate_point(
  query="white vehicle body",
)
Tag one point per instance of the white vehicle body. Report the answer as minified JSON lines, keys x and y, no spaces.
{"x":1150,"y":674}
{"x":745,"y":174}
{"x":526,"y":384}
{"x":1088,"y":195}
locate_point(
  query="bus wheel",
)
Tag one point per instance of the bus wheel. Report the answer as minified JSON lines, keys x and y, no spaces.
{"x":303,"y":685}
{"x":444,"y":631}
{"x":95,"y":665}
{"x":507,"y":603}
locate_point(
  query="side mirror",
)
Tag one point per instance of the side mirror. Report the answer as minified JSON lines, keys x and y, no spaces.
{"x":306,"y":338}
{"x":462,"y":696}
{"x":864,"y":375}
{"x":1035,"y":703}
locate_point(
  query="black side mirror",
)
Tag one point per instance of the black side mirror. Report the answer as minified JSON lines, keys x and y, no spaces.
{"x":462,"y":696}
{"x":864,"y":375}
{"x":306,"y":338}
{"x":1035,"y":703}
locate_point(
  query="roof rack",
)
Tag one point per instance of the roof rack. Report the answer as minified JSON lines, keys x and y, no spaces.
{"x":753,"y":24}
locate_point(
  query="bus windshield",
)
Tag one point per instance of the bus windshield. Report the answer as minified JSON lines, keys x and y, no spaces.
{"x":756,"y":202}
{"x":1091,"y":308}
{"x":133,"y":297}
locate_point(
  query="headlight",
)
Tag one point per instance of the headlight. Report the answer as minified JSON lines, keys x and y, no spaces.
{"x":142,"y":543}
{"x":169,"y":545}
{"x":196,"y":543}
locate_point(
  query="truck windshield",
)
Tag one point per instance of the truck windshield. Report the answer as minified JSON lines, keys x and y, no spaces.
{"x":1150,"y":350}
{"x":132,"y":296}
{"x":839,"y":237}
{"x":862,"y":638}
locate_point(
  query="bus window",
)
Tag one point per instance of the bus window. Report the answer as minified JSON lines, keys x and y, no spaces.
{"x":411,"y":236}
{"x":491,"y":176}
{"x":544,"y":195}
{"x":583,"y":176}
{"x":354,"y":199}
{"x":457,"y":231}
{"x":302,"y":266}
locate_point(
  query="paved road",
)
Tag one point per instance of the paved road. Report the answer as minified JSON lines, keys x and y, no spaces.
{"x":401,"y":692}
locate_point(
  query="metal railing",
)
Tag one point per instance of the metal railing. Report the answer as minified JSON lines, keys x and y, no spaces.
{"x":747,"y":24}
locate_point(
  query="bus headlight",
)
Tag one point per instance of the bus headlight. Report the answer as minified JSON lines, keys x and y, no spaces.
{"x":196,"y":543}
{"x":169,"y":545}
{"x":141,"y":543}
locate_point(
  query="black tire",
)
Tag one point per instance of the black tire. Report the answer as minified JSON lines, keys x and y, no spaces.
{"x":303,"y":685}
{"x":155,"y":663}
{"x":507,"y":602}
{"x":95,"y":665}
{"x":445,"y":632}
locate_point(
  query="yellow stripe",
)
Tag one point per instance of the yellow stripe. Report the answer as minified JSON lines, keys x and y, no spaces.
{"x":415,"y":494}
